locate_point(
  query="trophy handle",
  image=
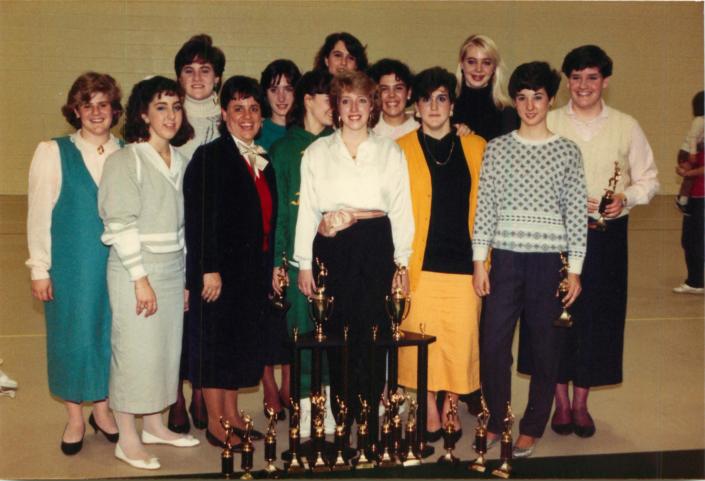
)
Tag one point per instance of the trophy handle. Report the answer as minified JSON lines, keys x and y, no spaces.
{"x":407,"y":308}
{"x":329,"y":307}
{"x":386,"y":306}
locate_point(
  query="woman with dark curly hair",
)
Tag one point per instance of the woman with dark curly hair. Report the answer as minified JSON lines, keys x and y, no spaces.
{"x":341,"y":52}
{"x":67,"y":259}
{"x":141,"y":204}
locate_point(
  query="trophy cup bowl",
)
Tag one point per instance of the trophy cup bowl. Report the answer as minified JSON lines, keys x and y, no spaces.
{"x":320,"y":307}
{"x":397,"y":306}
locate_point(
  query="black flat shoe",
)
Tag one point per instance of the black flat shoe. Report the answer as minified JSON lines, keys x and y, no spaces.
{"x":69,"y":449}
{"x":254,"y":434}
{"x":112,"y":437}
{"x":562,"y":429}
{"x":213,"y":441}
{"x":433,"y":436}
{"x":198,"y":423}
{"x":281,"y":415}
{"x":584,"y":431}
{"x":181,"y":428}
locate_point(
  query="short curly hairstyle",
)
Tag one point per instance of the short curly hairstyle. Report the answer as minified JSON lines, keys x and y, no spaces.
{"x":136,"y":129}
{"x":83,"y":88}
{"x":353,"y":45}
{"x":359,"y":83}
{"x":534,"y":76}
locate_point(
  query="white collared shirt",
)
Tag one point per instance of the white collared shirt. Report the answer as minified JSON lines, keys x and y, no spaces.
{"x":377,"y":179}
{"x":395,"y":132}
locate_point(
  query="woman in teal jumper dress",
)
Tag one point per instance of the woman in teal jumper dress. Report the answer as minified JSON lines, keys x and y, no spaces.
{"x":67,"y":259}
{"x":309,"y":119}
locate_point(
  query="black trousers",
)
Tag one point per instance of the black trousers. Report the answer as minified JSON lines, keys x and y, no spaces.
{"x":360,"y":263}
{"x":521,"y":284}
{"x":692,"y":241}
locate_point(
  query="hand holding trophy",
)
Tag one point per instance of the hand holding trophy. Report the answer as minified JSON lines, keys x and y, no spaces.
{"x":565,"y":319}
{"x":601,"y":223}
{"x":279,"y":301}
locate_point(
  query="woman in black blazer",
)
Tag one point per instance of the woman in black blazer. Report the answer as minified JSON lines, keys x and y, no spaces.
{"x":230,"y":197}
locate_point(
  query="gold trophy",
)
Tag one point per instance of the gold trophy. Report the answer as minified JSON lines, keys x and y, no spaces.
{"x":279,"y":301}
{"x":481,"y":437}
{"x":248,"y":449}
{"x":505,"y":469}
{"x":226,"y":457}
{"x":387,"y":460}
{"x":362,"y":461}
{"x":410,"y":458}
{"x":397,"y":306}
{"x":396,"y":400}
{"x":318,"y":411}
{"x":601,"y":223}
{"x":295,"y":466}
{"x":565,"y":319}
{"x":449,"y":436}
{"x":270,"y":443}
{"x":320,"y":305}
{"x":340,"y":463}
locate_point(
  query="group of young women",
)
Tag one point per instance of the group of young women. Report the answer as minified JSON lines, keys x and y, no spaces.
{"x":326,"y":167}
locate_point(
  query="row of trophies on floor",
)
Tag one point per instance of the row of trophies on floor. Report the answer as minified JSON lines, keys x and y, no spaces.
{"x":398,"y":445}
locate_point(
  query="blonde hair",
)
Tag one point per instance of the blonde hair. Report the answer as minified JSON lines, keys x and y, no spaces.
{"x":487,"y":45}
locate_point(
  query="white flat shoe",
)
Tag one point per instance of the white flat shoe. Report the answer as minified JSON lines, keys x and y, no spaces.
{"x":186,"y":441}
{"x":523,"y":452}
{"x":151,"y":463}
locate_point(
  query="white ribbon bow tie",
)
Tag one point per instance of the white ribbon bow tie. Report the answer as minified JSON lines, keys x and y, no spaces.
{"x":253,"y":154}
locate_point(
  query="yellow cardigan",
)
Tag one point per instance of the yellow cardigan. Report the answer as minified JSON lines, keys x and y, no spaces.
{"x":420,"y":181}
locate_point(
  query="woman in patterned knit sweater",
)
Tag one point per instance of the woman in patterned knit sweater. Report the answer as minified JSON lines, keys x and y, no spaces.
{"x":531,"y":207}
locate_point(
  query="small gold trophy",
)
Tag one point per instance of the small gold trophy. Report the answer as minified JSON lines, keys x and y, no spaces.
{"x":505,"y":456}
{"x":226,"y":457}
{"x":481,"y":437}
{"x":270,"y":443}
{"x":295,"y":465}
{"x":320,"y":305}
{"x":248,"y":449}
{"x":397,"y":306}
{"x":601,"y":223}
{"x":340,"y":463}
{"x":396,"y":401}
{"x":387,"y":460}
{"x":410,"y":458}
{"x":362,"y":461}
{"x":565,"y":319}
{"x":318,"y":411}
{"x":449,"y":436}
{"x":279,"y":301}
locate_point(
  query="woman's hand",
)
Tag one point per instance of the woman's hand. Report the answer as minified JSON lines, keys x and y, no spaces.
{"x":186,"y":295}
{"x":43,"y":290}
{"x":462,"y":130}
{"x":480,"y":279}
{"x":574,"y":289}
{"x":401,"y":280}
{"x":212,"y":286}
{"x":146,"y":298}
{"x":593,"y":205}
{"x":615,"y":207}
{"x":278,"y":273}
{"x":307,"y":285}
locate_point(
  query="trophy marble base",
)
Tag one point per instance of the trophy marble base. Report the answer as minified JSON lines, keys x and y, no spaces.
{"x":478,"y":465}
{"x":504,"y":471}
{"x":448,"y":458}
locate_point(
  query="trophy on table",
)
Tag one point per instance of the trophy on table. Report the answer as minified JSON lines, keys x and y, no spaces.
{"x":248,"y":448}
{"x":295,"y":465}
{"x":279,"y":301}
{"x":226,"y":457}
{"x":340,"y":463}
{"x":601,"y":223}
{"x":505,"y":469}
{"x":565,"y":319}
{"x":409,"y":447}
{"x":320,"y":305}
{"x":362,"y":461}
{"x":481,"y":437}
{"x":318,"y":412}
{"x":397,"y":305}
{"x":449,"y":435}
{"x":270,"y":443}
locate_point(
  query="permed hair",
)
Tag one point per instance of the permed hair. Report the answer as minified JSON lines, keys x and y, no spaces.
{"x":83,"y":88}
{"x":585,"y":57}
{"x":271,"y":76}
{"x":534,"y":76}
{"x":487,"y":45}
{"x":199,"y":48}
{"x":388,"y":66}
{"x":359,"y":83}
{"x":239,"y":87}
{"x":311,"y":83}
{"x":136,"y":129}
{"x":428,"y":81}
{"x":353,"y":45}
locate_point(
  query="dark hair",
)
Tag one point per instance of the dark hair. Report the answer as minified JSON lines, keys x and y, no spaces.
{"x":136,"y":129}
{"x":534,"y":76}
{"x":388,"y":66}
{"x":271,"y":76}
{"x":239,"y":87}
{"x":312,"y":83}
{"x":357,"y":82}
{"x":431,"y":79}
{"x":353,"y":45}
{"x":199,"y":48}
{"x":83,"y":88}
{"x":585,"y":57}
{"x":698,"y":104}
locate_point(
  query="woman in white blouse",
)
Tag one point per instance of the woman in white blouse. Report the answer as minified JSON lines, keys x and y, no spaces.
{"x":67,"y":259}
{"x":355,"y":184}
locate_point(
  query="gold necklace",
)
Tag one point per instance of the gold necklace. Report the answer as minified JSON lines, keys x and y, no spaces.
{"x":452,"y":147}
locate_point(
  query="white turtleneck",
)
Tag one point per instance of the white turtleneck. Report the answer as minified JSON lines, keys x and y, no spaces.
{"x":204,"y":116}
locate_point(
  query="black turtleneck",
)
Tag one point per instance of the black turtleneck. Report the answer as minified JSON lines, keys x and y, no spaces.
{"x":448,"y":247}
{"x":476,"y":109}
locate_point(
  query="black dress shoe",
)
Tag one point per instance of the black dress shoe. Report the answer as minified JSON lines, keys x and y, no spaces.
{"x":214,"y":441}
{"x":433,"y":436}
{"x":562,"y":429}
{"x":69,"y":449}
{"x":584,"y":431}
{"x":112,"y":437}
{"x":198,"y":423}
{"x":281,"y":415}
{"x":174,"y":426}
{"x":254,"y":434}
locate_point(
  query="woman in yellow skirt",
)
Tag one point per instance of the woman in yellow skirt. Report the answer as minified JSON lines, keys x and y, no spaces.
{"x":444,"y":173}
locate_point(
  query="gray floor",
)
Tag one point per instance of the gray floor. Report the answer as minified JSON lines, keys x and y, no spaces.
{"x":660,"y":405}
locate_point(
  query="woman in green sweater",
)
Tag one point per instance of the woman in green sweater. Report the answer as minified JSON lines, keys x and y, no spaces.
{"x":309,"y":118}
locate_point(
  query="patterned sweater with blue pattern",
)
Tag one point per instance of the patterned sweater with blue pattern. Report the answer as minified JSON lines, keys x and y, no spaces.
{"x":532,"y":199}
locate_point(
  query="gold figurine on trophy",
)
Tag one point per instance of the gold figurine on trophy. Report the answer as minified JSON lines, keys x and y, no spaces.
{"x":410,"y":448}
{"x":248,"y":448}
{"x":295,"y":465}
{"x":226,"y":457}
{"x":318,"y":413}
{"x":320,"y":305}
{"x":480,"y":446}
{"x":270,"y":443}
{"x":601,"y":223}
{"x":279,"y":301}
{"x":341,"y":438}
{"x":450,"y":436}
{"x":397,"y":305}
{"x":565,"y":319}
{"x":505,"y":469}
{"x":362,"y":461}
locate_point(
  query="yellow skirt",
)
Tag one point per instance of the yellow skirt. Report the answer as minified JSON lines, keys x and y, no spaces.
{"x":449,"y":309}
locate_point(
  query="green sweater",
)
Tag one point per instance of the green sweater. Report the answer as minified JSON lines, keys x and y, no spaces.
{"x":286,"y":154}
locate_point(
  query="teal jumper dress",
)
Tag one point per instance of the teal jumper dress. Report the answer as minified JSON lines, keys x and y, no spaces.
{"x":78,"y":319}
